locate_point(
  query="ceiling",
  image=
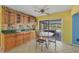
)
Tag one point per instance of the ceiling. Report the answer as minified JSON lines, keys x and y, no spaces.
{"x":30,"y":9}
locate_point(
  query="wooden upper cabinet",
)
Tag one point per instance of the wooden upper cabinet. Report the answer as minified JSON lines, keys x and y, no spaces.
{"x":8,"y":16}
{"x":11,"y":17}
{"x":25,"y":19}
{"x":19,"y":17}
{"x":32,"y":19}
{"x":5,"y":16}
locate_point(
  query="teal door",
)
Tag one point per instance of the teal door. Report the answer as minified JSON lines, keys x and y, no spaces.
{"x":75,"y":29}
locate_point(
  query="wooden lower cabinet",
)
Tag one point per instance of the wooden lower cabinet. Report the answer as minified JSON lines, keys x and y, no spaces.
{"x":33,"y":35}
{"x":19,"y":39}
{"x":0,"y":40}
{"x":9,"y":41}
{"x":13,"y":40}
{"x":27,"y":37}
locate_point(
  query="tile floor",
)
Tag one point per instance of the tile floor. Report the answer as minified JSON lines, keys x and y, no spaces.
{"x":31,"y":48}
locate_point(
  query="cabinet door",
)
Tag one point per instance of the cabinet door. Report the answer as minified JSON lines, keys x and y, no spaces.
{"x":26,"y":37}
{"x":11,"y":17}
{"x":5,"y":16}
{"x":33,"y":36}
{"x":19,"y":39}
{"x":19,"y":17}
{"x":32,"y":19}
{"x":9,"y":41}
{"x":8,"y":17}
{"x":75,"y":29}
{"x":25,"y":19}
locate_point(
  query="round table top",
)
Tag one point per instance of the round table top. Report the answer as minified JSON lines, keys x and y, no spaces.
{"x":46,"y":34}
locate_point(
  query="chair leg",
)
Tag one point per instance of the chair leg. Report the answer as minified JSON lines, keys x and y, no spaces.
{"x":46,"y":45}
{"x":41,"y":47}
{"x":55,"y":46}
{"x":36,"y":44}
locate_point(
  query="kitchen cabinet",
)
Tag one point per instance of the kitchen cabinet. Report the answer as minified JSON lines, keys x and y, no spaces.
{"x":13,"y":40}
{"x":27,"y":37}
{"x":32,"y":19}
{"x":33,"y":35}
{"x":19,"y":39}
{"x":25,"y":19}
{"x":19,"y":17}
{"x":5,"y":15}
{"x":9,"y":41}
{"x":10,"y":21}
{"x":11,"y":17}
{"x":8,"y":17}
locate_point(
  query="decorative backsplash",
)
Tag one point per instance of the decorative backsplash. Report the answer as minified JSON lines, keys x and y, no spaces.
{"x":19,"y":26}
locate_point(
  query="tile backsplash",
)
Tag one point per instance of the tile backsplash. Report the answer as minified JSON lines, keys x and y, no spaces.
{"x":18,"y":26}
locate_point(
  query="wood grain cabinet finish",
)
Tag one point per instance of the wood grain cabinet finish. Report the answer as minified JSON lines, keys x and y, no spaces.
{"x":5,"y":15}
{"x":26,"y":37}
{"x":33,"y":36}
{"x":25,"y":19}
{"x":32,"y":19}
{"x":13,"y":17}
{"x":19,"y":17}
{"x":9,"y":41}
{"x":19,"y":39}
{"x":8,"y":16}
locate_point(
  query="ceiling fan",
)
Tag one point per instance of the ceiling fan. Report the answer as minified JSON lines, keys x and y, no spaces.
{"x":42,"y":10}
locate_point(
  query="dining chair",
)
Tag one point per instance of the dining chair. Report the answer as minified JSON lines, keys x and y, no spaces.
{"x":41,"y":41}
{"x":52,"y":39}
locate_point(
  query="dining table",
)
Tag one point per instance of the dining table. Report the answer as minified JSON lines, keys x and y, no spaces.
{"x":46,"y":36}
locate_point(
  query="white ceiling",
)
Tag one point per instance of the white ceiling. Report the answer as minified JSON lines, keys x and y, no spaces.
{"x":29,"y":9}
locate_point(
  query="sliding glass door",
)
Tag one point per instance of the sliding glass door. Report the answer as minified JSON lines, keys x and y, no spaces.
{"x":51,"y":26}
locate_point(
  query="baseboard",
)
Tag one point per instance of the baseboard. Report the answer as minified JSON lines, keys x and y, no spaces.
{"x":75,"y":45}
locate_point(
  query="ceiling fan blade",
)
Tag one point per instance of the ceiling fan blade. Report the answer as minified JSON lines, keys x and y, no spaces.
{"x":36,"y":7}
{"x":47,"y":13}
{"x":37,"y":11}
{"x":46,"y":8}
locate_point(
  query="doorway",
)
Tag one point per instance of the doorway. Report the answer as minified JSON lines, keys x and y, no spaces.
{"x":75,"y":29}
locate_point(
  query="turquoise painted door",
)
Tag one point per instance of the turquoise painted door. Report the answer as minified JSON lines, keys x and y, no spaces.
{"x":75,"y":29}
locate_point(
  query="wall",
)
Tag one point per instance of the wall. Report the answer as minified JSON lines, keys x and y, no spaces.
{"x":75,"y":9}
{"x":75,"y":20}
{"x":0,"y":17}
{"x":67,"y":25}
{"x":0,"y":23}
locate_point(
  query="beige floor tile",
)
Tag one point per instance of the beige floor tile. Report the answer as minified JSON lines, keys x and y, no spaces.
{"x":31,"y":48}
